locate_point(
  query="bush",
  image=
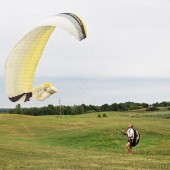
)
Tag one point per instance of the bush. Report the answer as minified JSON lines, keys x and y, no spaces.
{"x":152,"y":109}
{"x":104,"y":115}
{"x":99,"y":115}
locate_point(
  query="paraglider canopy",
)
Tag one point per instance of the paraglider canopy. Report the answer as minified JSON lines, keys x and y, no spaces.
{"x":23,"y":59}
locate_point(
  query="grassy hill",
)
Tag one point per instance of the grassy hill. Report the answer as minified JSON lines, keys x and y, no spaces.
{"x":84,"y":141}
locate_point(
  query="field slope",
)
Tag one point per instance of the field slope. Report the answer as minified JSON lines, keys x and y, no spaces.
{"x":84,"y":141}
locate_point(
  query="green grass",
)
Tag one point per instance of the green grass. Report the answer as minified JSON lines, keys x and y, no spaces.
{"x":84,"y":141}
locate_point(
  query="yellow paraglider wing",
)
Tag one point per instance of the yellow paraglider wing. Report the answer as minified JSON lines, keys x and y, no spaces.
{"x":23,"y":59}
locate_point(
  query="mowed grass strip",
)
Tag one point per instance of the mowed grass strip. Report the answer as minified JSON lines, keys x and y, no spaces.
{"x":83,"y":141}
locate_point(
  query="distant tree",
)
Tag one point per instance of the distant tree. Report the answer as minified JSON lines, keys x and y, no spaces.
{"x":156,"y":104}
{"x":105,"y":107}
{"x":163,"y":104}
{"x":123,"y":107}
{"x":145,"y":105}
{"x":114,"y":107}
{"x":85,"y":108}
{"x":43,"y":110}
{"x":51,"y":110}
{"x":17,"y":109}
{"x":57,"y":109}
{"x":97,"y":108}
{"x":67,"y":110}
{"x":77,"y":110}
{"x":91,"y":109}
{"x":34,"y":111}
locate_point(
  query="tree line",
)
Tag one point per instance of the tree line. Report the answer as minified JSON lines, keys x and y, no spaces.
{"x":82,"y":109}
{"x":77,"y":109}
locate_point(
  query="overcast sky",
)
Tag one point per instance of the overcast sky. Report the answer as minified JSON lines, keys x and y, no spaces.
{"x":126,"y":39}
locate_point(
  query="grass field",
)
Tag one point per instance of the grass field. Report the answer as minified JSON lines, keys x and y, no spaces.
{"x":84,"y":142}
